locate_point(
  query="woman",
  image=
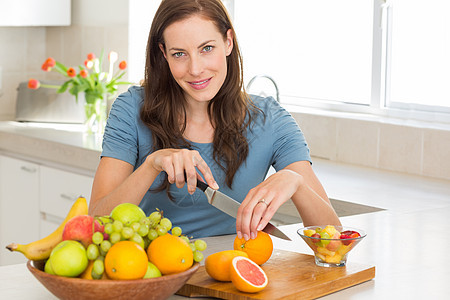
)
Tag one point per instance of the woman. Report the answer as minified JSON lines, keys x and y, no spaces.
{"x":191,"y":120}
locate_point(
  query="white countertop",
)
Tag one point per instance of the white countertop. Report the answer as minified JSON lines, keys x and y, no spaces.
{"x":65,"y":144}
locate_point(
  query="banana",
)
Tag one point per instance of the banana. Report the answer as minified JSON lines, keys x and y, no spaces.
{"x":42,"y":248}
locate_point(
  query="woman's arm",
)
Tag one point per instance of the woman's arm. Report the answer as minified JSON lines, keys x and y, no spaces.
{"x":297,"y":182}
{"x":115,"y":182}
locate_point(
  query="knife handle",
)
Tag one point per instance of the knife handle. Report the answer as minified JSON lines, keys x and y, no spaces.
{"x":200,"y":184}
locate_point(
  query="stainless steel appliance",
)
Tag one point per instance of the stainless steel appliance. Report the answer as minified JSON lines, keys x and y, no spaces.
{"x":46,"y":105}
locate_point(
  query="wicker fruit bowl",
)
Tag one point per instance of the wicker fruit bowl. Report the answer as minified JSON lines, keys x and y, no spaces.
{"x":76,"y":288}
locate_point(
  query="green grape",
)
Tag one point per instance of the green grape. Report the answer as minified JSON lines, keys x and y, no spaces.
{"x":127,"y":232}
{"x":192,"y":245}
{"x":155,"y":217}
{"x":161,"y":230}
{"x":185,"y":238}
{"x":109,"y":228}
{"x":102,"y":253}
{"x":95,"y":275}
{"x":101,"y":257}
{"x":143,"y":230}
{"x":97,"y":237}
{"x":117,"y":226}
{"x":115,"y":237}
{"x":166,"y":223}
{"x":105,"y":245}
{"x":98,"y":267}
{"x":138,"y":239}
{"x":198,"y":256}
{"x":145,"y":221}
{"x":146,"y":242}
{"x":176,"y":231}
{"x":152,"y":234}
{"x":105,"y":219}
{"x":135,"y":226}
{"x":92,"y":252}
{"x":200,"y":245}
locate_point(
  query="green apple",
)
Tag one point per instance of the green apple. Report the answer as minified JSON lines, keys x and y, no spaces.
{"x":48,"y":268}
{"x":68,"y":259}
{"x":152,"y":271}
{"x":127,"y":213}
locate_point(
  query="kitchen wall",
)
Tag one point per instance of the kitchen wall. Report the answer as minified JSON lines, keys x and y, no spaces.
{"x":96,"y":25}
{"x":398,"y":145}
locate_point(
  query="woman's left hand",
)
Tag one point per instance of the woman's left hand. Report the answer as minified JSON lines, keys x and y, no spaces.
{"x":263,"y":201}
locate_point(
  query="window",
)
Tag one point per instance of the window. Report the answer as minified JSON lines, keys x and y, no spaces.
{"x":314,"y":50}
{"x":384,"y":57}
{"x":420,"y":55}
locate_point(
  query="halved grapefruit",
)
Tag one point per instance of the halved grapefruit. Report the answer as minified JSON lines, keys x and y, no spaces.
{"x":247,"y":276}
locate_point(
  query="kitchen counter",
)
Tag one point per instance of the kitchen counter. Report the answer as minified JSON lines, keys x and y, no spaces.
{"x":65,"y":144}
{"x":406,"y":241}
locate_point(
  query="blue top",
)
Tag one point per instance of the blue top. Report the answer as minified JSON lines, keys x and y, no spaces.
{"x":278,"y":142}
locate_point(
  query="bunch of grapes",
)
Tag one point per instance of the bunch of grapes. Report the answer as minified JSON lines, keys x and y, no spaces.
{"x":142,"y":232}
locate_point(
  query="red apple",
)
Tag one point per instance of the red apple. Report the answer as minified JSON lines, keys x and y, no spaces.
{"x":81,"y":228}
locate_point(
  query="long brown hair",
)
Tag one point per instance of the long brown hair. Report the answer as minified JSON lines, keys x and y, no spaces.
{"x":230,"y":111}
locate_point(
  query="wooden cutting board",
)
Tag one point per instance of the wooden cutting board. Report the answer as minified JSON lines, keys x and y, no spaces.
{"x":291,"y":276}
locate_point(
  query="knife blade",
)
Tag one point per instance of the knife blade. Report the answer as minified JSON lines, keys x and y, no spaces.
{"x":230,"y":206}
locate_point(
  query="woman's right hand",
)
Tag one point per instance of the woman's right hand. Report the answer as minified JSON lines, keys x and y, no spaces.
{"x":178,"y":162}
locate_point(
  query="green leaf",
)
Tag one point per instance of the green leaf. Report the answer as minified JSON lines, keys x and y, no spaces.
{"x":64,"y":86}
{"x":61,"y":68}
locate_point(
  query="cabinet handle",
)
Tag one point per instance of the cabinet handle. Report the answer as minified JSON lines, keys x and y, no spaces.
{"x":28,"y":169}
{"x":67,"y":197}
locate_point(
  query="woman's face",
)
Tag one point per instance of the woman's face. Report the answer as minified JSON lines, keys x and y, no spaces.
{"x":196,"y":53}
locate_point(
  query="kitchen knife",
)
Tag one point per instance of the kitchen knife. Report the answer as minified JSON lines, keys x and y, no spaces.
{"x":230,"y":206}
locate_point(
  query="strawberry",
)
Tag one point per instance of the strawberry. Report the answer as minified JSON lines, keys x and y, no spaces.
{"x":345,"y":236}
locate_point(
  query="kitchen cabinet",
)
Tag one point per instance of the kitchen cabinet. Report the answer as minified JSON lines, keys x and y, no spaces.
{"x":19,"y":205}
{"x":34,"y":200}
{"x":35,"y":12}
{"x":58,"y":191}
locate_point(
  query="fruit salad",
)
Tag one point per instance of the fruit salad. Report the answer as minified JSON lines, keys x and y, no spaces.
{"x":330,"y":245}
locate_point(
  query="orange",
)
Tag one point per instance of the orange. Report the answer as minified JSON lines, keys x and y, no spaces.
{"x":170,"y":254}
{"x":259,"y":250}
{"x":126,"y":260}
{"x":217,"y":265}
{"x":247,"y":276}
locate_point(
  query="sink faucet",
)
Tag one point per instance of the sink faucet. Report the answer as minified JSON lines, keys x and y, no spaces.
{"x":268,"y":77}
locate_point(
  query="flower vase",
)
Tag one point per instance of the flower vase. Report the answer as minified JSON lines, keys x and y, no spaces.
{"x":95,"y":113}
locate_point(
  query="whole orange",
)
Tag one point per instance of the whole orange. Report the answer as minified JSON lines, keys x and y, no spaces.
{"x":126,"y":260}
{"x":259,"y":249}
{"x":217,"y":265}
{"x":170,"y":254}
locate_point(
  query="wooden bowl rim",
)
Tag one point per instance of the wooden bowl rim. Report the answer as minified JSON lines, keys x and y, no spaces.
{"x":35,"y":271}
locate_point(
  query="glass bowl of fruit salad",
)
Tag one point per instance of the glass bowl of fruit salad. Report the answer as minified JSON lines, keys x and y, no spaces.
{"x":331,"y":244}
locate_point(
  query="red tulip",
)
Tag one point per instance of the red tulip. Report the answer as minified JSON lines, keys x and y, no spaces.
{"x":123,"y":65}
{"x":45,"y":67}
{"x":33,"y":84}
{"x":83,"y":73}
{"x":71,"y":72}
{"x":91,"y":56}
{"x":50,"y":62}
